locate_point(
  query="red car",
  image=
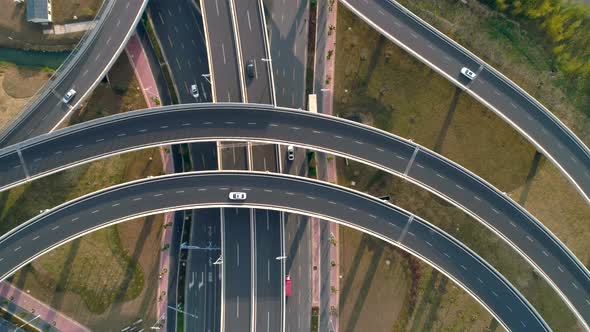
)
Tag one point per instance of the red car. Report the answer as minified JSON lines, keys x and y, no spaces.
{"x":288,"y":286}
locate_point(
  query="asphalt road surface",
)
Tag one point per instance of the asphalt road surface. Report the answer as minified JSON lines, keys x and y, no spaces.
{"x":513,"y":104}
{"x":287,"y":29}
{"x":306,"y":129}
{"x":83,"y":74}
{"x":268,"y":281}
{"x":273,"y":191}
{"x":250,"y":31}
{"x":222,"y":47}
{"x":179,"y":27}
{"x":203,"y":280}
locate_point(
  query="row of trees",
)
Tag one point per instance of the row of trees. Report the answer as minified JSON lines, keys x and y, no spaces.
{"x":567,"y":26}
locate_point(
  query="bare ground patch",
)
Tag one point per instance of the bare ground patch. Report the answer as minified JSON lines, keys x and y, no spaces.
{"x":17,"y":85}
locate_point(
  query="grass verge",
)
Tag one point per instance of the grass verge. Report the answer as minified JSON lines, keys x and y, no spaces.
{"x":518,"y":49}
{"x":379,"y":84}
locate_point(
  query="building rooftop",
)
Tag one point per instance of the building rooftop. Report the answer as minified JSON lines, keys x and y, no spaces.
{"x":37,"y":10}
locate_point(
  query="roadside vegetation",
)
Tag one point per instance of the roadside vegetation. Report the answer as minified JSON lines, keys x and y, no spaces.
{"x":108,"y":278}
{"x":379,"y":84}
{"x":540,"y":45}
{"x":17,"y":85}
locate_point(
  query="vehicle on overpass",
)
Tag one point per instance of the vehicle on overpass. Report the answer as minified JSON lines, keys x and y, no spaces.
{"x":288,"y":286}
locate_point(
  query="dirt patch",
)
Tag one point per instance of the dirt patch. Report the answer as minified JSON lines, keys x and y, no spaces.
{"x":22,"y":82}
{"x":69,"y":11}
{"x":17,"y":84}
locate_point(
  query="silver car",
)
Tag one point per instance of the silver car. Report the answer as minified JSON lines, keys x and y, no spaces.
{"x":68,"y":96}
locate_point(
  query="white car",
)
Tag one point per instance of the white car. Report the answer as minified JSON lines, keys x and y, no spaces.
{"x":68,"y":96}
{"x":468,"y":73}
{"x":195,"y":91}
{"x":290,"y":153}
{"x":237,"y":196}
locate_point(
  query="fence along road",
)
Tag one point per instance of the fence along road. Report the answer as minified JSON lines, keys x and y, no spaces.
{"x":82,"y":71}
{"x":276,"y":192}
{"x":535,"y":122}
{"x":209,"y":122}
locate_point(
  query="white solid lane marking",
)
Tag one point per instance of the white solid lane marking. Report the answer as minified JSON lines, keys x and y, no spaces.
{"x":249,"y":25}
{"x":223,"y":51}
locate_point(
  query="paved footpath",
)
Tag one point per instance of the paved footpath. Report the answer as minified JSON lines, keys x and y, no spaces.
{"x":147,"y":82}
{"x":323,"y":88}
{"x":35,"y":307}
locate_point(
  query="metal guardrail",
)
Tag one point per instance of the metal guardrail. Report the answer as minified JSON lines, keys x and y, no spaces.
{"x":59,"y":74}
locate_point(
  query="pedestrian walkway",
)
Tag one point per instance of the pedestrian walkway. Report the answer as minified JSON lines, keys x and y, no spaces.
{"x":324,"y":88}
{"x":41,"y":314}
{"x":62,"y":29}
{"x":143,"y":72}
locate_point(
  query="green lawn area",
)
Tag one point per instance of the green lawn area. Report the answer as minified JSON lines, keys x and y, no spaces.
{"x":516,"y":49}
{"x":381,"y":85}
{"x":107,"y":278}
